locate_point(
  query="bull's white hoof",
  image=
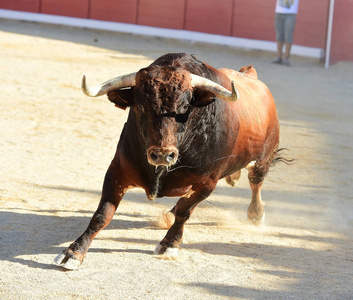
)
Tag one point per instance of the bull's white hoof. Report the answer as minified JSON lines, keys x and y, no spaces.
{"x":70,"y":264}
{"x":168,"y":254}
{"x":59,"y":259}
{"x":256,"y":221}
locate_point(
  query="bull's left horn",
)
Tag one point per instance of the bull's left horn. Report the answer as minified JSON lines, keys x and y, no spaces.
{"x":116,"y":83}
{"x":215,"y":88}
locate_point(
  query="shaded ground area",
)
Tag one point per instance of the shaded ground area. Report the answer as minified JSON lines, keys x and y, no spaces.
{"x":56,"y":145}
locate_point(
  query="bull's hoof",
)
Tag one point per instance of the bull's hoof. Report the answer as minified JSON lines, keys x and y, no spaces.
{"x":257,"y":220}
{"x":163,"y":252}
{"x":233,"y":178}
{"x":231,"y":182}
{"x":67,"y":261}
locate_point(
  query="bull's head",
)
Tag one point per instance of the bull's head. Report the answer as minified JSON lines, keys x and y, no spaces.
{"x":161,"y":97}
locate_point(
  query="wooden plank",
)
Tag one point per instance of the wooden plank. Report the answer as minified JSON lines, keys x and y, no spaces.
{"x":254,"y":19}
{"x":21,"y":5}
{"x":342,"y":31}
{"x":69,"y":8}
{"x":210,"y":16}
{"x":124,"y":11}
{"x":166,"y":14}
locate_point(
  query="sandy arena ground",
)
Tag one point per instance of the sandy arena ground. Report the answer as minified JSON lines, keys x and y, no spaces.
{"x":56,"y":145}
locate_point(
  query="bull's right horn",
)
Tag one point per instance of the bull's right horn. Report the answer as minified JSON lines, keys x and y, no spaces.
{"x":116,"y":83}
{"x":217,"y":89}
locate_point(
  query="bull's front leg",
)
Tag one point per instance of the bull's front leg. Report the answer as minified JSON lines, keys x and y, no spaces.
{"x":113,"y":191}
{"x":169,"y":246}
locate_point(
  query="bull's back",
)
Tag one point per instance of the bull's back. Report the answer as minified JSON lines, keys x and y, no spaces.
{"x":257,"y":125}
{"x":255,"y":106}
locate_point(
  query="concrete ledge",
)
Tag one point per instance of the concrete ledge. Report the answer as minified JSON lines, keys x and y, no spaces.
{"x":160,"y":32}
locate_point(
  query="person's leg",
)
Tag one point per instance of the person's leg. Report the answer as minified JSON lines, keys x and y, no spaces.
{"x":287,"y":54}
{"x":279,"y":49}
{"x":288,"y":34}
{"x":279,"y":26}
{"x":288,"y":48}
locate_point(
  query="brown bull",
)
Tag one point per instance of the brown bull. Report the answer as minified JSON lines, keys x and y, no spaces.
{"x":189,"y":125}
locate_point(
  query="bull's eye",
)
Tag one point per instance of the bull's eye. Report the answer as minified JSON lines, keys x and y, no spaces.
{"x":181,"y":118}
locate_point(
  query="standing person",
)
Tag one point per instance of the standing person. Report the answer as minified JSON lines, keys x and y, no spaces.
{"x":286,"y":13}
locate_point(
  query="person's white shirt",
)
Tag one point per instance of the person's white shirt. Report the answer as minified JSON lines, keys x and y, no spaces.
{"x":287,"y":6}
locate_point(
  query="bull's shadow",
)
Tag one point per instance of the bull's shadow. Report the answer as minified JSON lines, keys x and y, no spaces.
{"x":35,"y":232}
{"x":31,"y":233}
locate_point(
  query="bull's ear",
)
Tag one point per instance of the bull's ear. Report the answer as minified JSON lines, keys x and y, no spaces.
{"x":121,"y":98}
{"x":202,"y":98}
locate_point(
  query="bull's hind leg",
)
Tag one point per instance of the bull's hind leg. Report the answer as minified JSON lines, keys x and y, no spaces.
{"x":169,"y":246}
{"x":233,"y":178}
{"x":167,"y":219}
{"x":112,"y":193}
{"x":256,"y":211}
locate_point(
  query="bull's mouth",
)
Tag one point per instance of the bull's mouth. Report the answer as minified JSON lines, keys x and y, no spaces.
{"x":162,"y":156}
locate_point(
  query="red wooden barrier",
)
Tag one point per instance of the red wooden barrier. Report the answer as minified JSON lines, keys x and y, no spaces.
{"x":21,"y":5}
{"x":342,"y":31}
{"x":167,"y":14}
{"x":124,"y":11}
{"x":69,"y":8}
{"x":252,"y":19}
{"x":211,"y":16}
{"x":311,"y":26}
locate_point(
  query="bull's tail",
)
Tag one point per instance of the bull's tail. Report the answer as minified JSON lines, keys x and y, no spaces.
{"x":280,"y":157}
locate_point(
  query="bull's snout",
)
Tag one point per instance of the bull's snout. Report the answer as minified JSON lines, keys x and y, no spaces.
{"x":162,"y":156}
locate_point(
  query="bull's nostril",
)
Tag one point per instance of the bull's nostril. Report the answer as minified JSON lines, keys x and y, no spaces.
{"x":154,"y":156}
{"x":170,"y":157}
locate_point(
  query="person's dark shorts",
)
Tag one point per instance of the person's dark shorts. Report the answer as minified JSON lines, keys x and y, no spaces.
{"x":284,"y":24}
